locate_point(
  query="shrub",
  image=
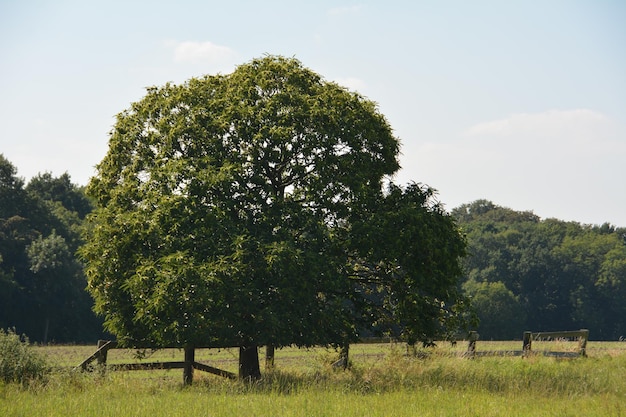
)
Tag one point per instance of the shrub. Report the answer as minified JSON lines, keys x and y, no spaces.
{"x":19,"y":363}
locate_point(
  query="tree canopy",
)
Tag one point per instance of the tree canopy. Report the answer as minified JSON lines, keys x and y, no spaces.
{"x":525,"y":273}
{"x":41,"y":281}
{"x":251,"y":209}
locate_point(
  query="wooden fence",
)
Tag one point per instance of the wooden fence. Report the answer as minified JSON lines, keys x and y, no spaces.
{"x":187,"y":365}
{"x":582,"y":336}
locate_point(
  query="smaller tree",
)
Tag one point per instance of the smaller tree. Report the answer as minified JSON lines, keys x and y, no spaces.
{"x":407,"y":253}
{"x":500,"y":314}
{"x":55,"y":284}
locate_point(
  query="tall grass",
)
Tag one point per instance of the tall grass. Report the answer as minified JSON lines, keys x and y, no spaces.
{"x":390,"y":384}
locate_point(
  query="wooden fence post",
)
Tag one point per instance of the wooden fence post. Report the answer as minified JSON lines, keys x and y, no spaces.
{"x":582,"y":342}
{"x":101,"y":358}
{"x":527,"y":343}
{"x":345,"y":355}
{"x":471,"y":343}
{"x":190,"y":357}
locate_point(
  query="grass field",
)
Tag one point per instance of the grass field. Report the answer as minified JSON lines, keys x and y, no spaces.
{"x":383,"y":381}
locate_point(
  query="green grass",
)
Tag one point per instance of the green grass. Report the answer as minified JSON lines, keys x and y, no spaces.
{"x":123,"y":399}
{"x":382,"y":382}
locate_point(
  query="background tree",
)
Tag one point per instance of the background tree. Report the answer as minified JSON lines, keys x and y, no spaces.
{"x":499,"y":312}
{"x":42,"y":284}
{"x":225,"y":211}
{"x":593,"y":263}
{"x":60,"y":190}
{"x":563,"y":275}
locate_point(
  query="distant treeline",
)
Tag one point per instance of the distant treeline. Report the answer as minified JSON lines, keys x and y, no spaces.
{"x":522,"y":273}
{"x":42,"y":284}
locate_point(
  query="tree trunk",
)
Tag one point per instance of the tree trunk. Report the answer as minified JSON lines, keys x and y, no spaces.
{"x":344,"y":357}
{"x":249,"y":363}
{"x":269,"y":357}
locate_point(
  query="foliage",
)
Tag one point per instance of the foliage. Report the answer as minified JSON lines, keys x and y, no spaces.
{"x":42,"y":284}
{"x":18,"y":362}
{"x":406,"y":265}
{"x":499,"y":312}
{"x":231,"y":212}
{"x":62,"y":190}
{"x":557,"y":275}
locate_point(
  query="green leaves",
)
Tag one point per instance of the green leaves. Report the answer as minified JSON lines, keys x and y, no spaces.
{"x":41,"y":282}
{"x":560,"y":275}
{"x":226,"y":208}
{"x":406,"y":260}
{"x":49,"y":253}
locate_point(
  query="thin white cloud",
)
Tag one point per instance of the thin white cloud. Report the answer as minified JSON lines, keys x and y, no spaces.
{"x":344,"y":10}
{"x":560,"y":160}
{"x":578,"y":133}
{"x":549,"y":122}
{"x":202,"y":52}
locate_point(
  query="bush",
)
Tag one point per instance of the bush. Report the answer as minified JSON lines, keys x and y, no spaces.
{"x":19,"y":363}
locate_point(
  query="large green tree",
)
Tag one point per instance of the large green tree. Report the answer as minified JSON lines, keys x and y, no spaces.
{"x":227,"y":214}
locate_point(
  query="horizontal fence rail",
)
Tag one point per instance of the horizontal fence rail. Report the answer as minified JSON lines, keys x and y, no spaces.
{"x":188,"y":365}
{"x":582,"y":335}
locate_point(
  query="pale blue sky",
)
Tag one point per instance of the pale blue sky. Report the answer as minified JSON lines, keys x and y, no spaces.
{"x":519,"y":102}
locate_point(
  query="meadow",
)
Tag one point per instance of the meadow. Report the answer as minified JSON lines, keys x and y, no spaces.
{"x":384,"y":380}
